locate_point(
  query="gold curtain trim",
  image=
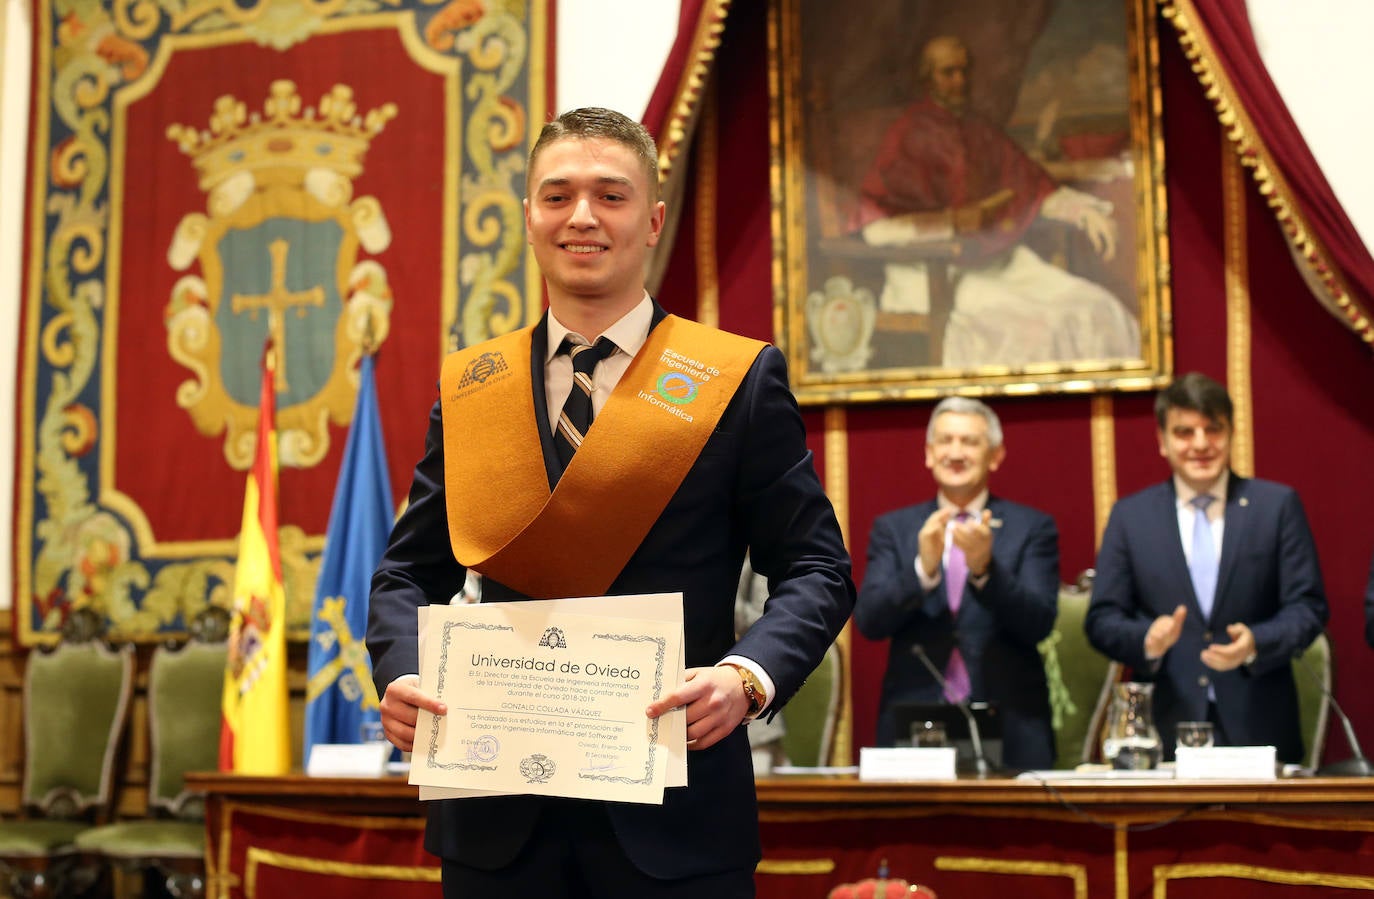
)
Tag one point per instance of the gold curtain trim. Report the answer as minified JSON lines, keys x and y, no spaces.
{"x":1166,"y":873}
{"x":837,"y":488}
{"x":1236,"y":266}
{"x":1122,"y":856}
{"x":257,"y":857}
{"x":708,"y":275}
{"x":1104,"y":463}
{"x":1253,"y":154}
{"x":705,"y":42}
{"x":796,"y":866}
{"x":1076,"y":873}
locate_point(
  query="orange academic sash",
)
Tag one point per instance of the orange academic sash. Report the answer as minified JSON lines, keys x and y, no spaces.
{"x":504,"y":522}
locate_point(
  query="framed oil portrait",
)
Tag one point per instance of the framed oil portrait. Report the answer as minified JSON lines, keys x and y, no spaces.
{"x":968,"y":197}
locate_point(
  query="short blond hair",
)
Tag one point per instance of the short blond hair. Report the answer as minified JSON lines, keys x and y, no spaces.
{"x":596,"y":122}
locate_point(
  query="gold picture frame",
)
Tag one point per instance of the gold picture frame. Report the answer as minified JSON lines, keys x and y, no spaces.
{"x":968,"y":198}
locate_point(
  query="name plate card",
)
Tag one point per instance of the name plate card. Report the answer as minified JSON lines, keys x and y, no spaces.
{"x":1226,"y":763}
{"x":348,"y":759}
{"x":917,"y":763}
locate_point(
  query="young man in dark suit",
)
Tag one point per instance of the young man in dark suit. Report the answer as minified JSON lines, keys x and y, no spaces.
{"x":1208,"y":583}
{"x":973,"y":580}
{"x":696,"y":452}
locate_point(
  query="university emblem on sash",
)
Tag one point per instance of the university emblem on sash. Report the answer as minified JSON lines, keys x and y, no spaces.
{"x":278,"y":252}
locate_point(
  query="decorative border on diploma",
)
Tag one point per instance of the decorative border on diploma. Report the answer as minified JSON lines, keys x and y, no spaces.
{"x":443,"y":670}
{"x":659,"y":659}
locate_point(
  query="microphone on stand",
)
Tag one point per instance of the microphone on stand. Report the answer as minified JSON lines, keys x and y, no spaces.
{"x":980,"y":761}
{"x":1355,"y":766}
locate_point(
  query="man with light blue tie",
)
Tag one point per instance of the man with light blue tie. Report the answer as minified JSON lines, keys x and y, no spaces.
{"x":973,"y":581}
{"x":1208,"y":583}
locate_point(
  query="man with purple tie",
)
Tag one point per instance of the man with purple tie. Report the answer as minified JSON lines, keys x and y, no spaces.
{"x":1208,"y":583}
{"x":973,"y":581}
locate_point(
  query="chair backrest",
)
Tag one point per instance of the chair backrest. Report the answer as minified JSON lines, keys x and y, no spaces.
{"x":811,"y":714}
{"x":1312,"y":673}
{"x":76,"y":702}
{"x":1077,"y":675}
{"x":185,"y":688}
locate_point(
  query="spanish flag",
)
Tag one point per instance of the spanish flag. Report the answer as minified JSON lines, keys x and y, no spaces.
{"x":255,"y":732}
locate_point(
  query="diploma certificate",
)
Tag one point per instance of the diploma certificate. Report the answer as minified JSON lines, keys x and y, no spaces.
{"x":546,"y":702}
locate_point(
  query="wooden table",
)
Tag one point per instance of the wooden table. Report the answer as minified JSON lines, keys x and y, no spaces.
{"x":970,"y":838}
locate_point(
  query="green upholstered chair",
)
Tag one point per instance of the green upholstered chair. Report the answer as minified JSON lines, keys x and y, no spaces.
{"x":76,"y":701}
{"x":811,"y":714}
{"x":1081,"y":680}
{"x":1312,"y":673}
{"x":1079,"y":677}
{"x":184,"y":694}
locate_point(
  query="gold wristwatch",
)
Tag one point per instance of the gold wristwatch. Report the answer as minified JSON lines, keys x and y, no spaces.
{"x":753,"y":690}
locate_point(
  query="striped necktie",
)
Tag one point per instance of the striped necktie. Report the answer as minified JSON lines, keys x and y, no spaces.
{"x":576,"y":416}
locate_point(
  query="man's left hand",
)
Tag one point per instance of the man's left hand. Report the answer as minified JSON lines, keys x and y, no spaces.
{"x":975,"y":539}
{"x":1230,"y":656}
{"x":715,"y":702}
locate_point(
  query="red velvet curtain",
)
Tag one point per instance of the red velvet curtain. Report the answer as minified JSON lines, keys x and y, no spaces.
{"x":1232,"y":46}
{"x":671,"y":98}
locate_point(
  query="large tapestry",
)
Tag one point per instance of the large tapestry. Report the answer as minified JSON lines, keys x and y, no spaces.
{"x":340,"y":176}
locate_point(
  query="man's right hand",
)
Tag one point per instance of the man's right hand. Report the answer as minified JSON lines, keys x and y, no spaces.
{"x":401,"y":707}
{"x":1164,"y":633}
{"x":932,"y":541}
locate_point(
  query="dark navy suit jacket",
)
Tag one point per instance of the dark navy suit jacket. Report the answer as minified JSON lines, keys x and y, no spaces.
{"x":1268,"y":579}
{"x":754,"y":485}
{"x":996,"y":629}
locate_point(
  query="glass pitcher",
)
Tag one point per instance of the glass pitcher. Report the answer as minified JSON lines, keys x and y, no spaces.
{"x":1131,"y":740}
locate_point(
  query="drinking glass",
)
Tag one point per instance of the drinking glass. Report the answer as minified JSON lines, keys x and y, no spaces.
{"x":1194,"y":733}
{"x":929,"y":734}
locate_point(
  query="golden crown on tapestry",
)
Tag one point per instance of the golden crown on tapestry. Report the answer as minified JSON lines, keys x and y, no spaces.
{"x":278,"y":254}
{"x":282,"y":142}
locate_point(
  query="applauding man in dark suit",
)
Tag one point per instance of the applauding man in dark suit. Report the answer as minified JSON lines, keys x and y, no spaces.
{"x":615,"y":449}
{"x":1208,"y":583}
{"x":971,"y":579}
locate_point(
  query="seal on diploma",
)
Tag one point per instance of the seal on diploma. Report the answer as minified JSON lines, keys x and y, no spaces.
{"x":484,"y":749}
{"x":537,"y":768}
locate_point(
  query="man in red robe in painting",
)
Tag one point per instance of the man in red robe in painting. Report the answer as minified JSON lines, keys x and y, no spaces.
{"x":942,"y":173}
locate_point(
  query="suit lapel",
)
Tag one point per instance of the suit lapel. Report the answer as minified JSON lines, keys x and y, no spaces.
{"x":1001,"y":530}
{"x":1237,"y":522}
{"x":539,"y":343}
